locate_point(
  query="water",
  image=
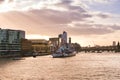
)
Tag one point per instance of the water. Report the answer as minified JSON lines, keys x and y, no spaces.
{"x":83,"y":66}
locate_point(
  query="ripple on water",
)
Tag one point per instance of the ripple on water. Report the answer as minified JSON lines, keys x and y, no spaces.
{"x":80,"y":67}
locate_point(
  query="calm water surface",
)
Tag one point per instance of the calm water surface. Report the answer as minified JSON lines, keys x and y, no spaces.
{"x":83,"y":66}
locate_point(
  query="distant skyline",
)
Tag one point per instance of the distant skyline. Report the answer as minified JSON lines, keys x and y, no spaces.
{"x":88,"y":22}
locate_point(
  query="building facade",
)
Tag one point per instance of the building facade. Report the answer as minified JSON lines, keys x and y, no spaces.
{"x":10,"y":41}
{"x":26,"y":47}
{"x":64,"y":38}
{"x":40,"y":46}
{"x":55,"y":43}
{"x":114,"y":43}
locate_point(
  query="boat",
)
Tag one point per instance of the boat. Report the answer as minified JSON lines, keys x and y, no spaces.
{"x":63,"y":49}
{"x":63,"y":53}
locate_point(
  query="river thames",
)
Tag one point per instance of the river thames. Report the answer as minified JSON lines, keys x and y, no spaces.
{"x":83,"y":66}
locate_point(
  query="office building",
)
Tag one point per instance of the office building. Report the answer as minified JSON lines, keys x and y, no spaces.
{"x":10,"y":40}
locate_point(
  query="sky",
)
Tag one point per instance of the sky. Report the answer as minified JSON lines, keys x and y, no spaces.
{"x":87,"y":22}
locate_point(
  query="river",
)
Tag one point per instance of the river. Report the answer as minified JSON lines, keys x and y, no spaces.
{"x":83,"y":66}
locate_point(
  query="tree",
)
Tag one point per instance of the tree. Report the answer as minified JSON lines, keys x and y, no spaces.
{"x":77,"y":47}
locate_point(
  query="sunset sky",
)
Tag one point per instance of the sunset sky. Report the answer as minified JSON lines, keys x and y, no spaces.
{"x":88,"y":22}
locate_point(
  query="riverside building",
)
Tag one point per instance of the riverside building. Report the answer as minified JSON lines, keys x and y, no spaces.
{"x":40,"y":46}
{"x":10,"y":41}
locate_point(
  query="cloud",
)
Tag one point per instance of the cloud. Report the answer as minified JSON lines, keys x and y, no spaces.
{"x":98,"y":1}
{"x":1,"y":1}
{"x":115,"y":27}
{"x":26,"y":5}
{"x":6,"y":1}
{"x":40,"y":18}
{"x":50,"y":22}
{"x":58,"y":17}
{"x":62,"y":5}
{"x":91,"y":29}
{"x":103,"y":15}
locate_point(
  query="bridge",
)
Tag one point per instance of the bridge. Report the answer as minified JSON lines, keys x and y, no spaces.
{"x":100,"y":49}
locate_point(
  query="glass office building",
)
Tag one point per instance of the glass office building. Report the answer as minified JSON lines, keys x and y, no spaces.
{"x":10,"y":40}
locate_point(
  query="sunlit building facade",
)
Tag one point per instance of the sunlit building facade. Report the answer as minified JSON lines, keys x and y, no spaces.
{"x":40,"y":46}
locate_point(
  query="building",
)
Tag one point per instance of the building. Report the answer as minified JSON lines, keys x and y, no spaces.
{"x":59,"y":41}
{"x":55,"y":43}
{"x":10,"y":41}
{"x":69,"y":40}
{"x":64,"y":38}
{"x":40,"y":46}
{"x":114,"y":43}
{"x":26,"y":47}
